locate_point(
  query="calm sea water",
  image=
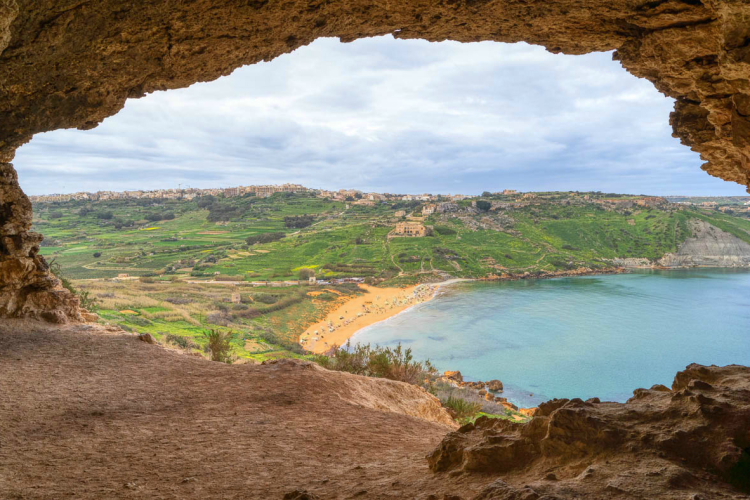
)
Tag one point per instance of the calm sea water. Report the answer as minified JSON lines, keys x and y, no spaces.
{"x":579,"y":337}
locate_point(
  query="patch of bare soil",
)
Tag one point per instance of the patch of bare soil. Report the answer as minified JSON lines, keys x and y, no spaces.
{"x":87,"y":413}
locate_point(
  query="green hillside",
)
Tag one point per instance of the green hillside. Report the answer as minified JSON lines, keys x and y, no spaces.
{"x":182,"y":257}
{"x":208,"y":237}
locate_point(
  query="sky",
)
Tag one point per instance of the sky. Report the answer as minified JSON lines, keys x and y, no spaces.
{"x":387,"y":115}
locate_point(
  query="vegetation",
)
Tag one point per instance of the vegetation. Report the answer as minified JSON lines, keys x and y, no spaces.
{"x":219,"y":345}
{"x":183,"y":258}
{"x":87,"y":301}
{"x":462,"y":409}
{"x":384,"y":362}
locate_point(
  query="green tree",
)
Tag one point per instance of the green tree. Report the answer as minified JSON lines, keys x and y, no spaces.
{"x":484,"y":206}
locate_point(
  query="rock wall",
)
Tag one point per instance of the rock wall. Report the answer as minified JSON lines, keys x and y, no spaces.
{"x":27,"y":288}
{"x":688,"y":442}
{"x":709,"y":247}
{"x":72,"y":63}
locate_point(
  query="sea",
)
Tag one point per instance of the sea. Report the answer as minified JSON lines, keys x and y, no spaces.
{"x":593,"y":336}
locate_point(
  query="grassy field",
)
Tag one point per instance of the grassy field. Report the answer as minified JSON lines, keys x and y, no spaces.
{"x":170,"y":249}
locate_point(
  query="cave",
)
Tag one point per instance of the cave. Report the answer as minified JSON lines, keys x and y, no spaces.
{"x":71,"y":64}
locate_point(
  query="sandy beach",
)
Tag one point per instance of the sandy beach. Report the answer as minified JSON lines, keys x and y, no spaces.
{"x":359,"y":312}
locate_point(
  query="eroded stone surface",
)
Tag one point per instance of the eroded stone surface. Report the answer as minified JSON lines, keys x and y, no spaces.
{"x":27,"y":288}
{"x":692,"y":441}
{"x":72,"y":63}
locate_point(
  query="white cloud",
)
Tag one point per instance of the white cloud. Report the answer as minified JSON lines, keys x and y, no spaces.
{"x":388,"y":115}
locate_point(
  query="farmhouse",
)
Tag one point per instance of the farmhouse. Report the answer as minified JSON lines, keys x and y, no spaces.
{"x":415,"y":229}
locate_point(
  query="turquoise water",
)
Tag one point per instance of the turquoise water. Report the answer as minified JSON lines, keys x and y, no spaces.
{"x":581,"y":337}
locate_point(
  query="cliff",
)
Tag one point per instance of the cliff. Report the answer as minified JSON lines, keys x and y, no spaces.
{"x":709,"y":246}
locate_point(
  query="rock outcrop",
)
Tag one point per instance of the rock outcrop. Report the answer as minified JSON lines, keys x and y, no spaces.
{"x":690,"y":441}
{"x":27,"y":288}
{"x":73,"y":63}
{"x":709,"y":246}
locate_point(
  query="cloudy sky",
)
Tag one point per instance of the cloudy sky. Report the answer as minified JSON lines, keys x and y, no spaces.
{"x":379,"y":114}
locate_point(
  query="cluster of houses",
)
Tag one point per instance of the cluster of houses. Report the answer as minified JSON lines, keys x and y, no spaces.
{"x":172,"y":194}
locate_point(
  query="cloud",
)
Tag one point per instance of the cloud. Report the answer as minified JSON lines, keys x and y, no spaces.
{"x":388,"y":115}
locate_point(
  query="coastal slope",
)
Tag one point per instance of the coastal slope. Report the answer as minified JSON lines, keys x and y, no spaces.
{"x":709,"y":246}
{"x":92,"y":413}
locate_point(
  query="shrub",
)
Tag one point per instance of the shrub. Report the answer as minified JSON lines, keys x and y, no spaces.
{"x":97,"y":255}
{"x":179,"y":300}
{"x":264,"y":238}
{"x":445,"y":230}
{"x":271,"y":337}
{"x":266,"y":298}
{"x":88,"y":302}
{"x":180,"y":341}
{"x":299,"y":221}
{"x":484,"y":206}
{"x":218,"y":318}
{"x":55,"y":215}
{"x":219,"y":345}
{"x":136,"y":320}
{"x":462,"y":409}
{"x":306,"y":273}
{"x":382,"y":362}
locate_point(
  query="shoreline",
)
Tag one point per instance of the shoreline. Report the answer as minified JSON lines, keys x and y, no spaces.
{"x":353,"y":315}
{"x":357,"y":313}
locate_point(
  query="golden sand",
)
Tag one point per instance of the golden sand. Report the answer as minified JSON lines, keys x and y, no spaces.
{"x":355,"y":313}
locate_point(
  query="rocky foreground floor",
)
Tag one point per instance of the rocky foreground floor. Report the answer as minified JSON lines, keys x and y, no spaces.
{"x":88,"y":413}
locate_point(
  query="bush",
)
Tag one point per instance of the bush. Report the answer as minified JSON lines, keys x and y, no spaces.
{"x":306,"y":273}
{"x":484,"y":206}
{"x":88,"y":302}
{"x":462,"y":409}
{"x":299,"y":221}
{"x":136,"y":320}
{"x":97,"y":255}
{"x":55,"y":215}
{"x":219,"y":346}
{"x":444,"y":230}
{"x":383,"y":362}
{"x":264,"y":238}
{"x":266,"y":298}
{"x":218,"y":318}
{"x":272,"y":338}
{"x":180,"y":341}
{"x":179,"y":300}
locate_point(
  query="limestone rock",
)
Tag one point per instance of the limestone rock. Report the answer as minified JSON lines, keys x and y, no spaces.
{"x":509,"y":405}
{"x":147,"y":338}
{"x":454,"y":375}
{"x":495,"y":385}
{"x":709,"y":246}
{"x":690,"y":442}
{"x":89,"y":317}
{"x":529,"y":412}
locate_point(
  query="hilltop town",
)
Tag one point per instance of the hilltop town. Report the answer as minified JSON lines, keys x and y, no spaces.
{"x":433,"y":203}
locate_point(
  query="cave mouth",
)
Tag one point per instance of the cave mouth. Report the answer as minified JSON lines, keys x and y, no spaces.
{"x":739,"y":476}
